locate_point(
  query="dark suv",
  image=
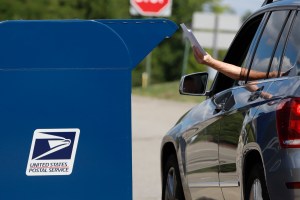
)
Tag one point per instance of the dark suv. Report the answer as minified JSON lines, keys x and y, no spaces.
{"x":243,"y":141}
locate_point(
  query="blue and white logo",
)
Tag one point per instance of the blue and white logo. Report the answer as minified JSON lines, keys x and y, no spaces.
{"x":52,"y":152}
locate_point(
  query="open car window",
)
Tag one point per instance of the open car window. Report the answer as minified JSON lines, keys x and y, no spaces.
{"x":239,"y":51}
{"x":248,"y":58}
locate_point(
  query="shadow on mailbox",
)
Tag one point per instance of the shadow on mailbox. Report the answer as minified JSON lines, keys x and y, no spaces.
{"x":66,"y":105}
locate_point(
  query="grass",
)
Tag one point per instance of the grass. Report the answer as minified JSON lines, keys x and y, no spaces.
{"x":168,"y":91}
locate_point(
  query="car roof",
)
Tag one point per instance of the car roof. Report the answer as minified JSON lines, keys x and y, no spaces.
{"x":280,"y":3}
{"x":274,"y":5}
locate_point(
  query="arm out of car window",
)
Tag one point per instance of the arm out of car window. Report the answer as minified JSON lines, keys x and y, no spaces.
{"x":230,"y":70}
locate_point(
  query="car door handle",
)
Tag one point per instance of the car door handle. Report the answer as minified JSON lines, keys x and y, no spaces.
{"x":255,"y":95}
{"x":219,"y":107}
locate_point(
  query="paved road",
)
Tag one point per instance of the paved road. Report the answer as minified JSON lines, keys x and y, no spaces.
{"x":151,"y":119}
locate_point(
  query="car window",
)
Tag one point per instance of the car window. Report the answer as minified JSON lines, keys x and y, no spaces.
{"x":247,"y":59}
{"x":237,"y":52}
{"x":276,"y":61}
{"x":267,"y":43}
{"x":291,"y":59}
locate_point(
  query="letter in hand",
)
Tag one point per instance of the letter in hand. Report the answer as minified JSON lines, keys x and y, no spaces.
{"x":200,"y":57}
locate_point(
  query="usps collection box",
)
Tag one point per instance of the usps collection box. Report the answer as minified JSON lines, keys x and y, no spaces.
{"x":65,"y":105}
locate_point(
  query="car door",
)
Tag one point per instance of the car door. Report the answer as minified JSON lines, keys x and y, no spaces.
{"x":202,"y":139}
{"x":201,"y":152}
{"x":240,"y":108}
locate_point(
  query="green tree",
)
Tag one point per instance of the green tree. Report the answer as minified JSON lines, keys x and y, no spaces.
{"x":246,"y":15}
{"x":63,"y":9}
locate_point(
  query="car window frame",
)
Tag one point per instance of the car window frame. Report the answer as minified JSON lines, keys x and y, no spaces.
{"x":265,"y":14}
{"x":254,"y":46}
{"x":215,"y":88}
{"x":275,"y":46}
{"x":294,"y":14}
{"x":291,"y":17}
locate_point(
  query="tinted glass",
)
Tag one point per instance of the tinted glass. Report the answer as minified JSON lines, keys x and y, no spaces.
{"x":291,"y":59}
{"x":280,"y":47}
{"x":268,"y":41}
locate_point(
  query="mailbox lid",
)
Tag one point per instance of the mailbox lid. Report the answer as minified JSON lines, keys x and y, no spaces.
{"x":80,"y":44}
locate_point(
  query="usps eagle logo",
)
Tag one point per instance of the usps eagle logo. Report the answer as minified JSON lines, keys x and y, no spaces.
{"x":52,"y":152}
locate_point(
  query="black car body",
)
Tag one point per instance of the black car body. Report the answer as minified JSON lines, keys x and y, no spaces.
{"x":243,"y":141}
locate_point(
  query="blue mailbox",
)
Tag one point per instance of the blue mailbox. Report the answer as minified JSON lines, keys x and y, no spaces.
{"x":65,"y":106}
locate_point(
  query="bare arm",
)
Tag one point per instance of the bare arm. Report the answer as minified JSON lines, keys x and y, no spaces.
{"x":229,"y":70}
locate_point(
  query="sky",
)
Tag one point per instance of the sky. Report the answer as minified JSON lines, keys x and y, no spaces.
{"x":242,"y":6}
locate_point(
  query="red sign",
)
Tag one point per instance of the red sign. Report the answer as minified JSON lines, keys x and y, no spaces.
{"x":150,"y":7}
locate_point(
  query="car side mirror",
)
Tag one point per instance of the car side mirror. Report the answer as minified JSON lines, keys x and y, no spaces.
{"x":194,"y":84}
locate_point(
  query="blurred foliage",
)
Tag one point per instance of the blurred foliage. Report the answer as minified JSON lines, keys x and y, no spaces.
{"x":63,"y":9}
{"x":246,"y":15}
{"x":216,"y":7}
{"x":167,"y":59}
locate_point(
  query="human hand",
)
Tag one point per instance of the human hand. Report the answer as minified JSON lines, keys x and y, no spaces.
{"x":200,"y":58}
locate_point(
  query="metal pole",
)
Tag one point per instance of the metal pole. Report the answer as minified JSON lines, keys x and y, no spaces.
{"x":211,"y":71}
{"x":215,"y":37}
{"x":185,"y":57}
{"x":148,"y":67}
{"x":146,"y":76}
